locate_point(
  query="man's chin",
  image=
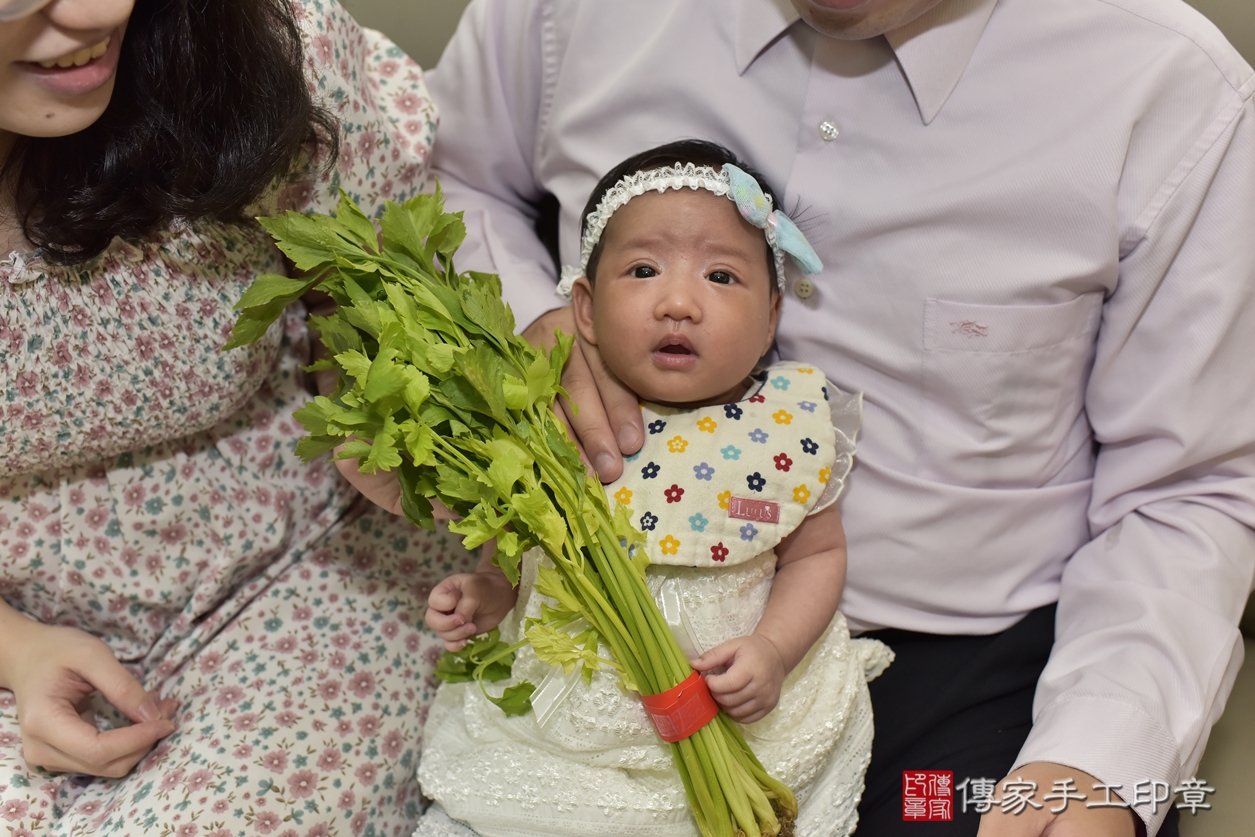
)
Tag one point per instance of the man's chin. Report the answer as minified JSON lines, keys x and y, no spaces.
{"x":856,"y":20}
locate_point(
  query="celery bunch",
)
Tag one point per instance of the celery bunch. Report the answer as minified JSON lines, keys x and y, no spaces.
{"x":435,"y":385}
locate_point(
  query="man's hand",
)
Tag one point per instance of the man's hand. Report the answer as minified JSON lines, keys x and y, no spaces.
{"x":53,"y":673}
{"x":1075,"y":820}
{"x":749,"y":687}
{"x":608,"y":425}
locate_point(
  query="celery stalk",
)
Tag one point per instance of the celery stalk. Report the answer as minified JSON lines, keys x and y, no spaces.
{"x":435,"y":385}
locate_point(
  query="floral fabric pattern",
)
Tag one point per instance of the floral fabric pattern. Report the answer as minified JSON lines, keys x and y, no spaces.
{"x":303,"y":716}
{"x":150,"y":495}
{"x":124,"y":352}
{"x":684,"y":497}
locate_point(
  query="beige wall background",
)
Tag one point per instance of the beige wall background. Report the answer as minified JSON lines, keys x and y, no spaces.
{"x":422,"y":27}
{"x":1236,"y":18}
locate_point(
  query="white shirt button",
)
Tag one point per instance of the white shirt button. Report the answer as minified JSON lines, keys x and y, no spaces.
{"x":803,"y":288}
{"x":829,"y":130}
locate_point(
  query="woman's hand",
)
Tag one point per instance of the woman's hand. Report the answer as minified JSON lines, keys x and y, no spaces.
{"x":382,"y":487}
{"x":53,"y":672}
{"x":607,"y":428}
{"x":608,"y":425}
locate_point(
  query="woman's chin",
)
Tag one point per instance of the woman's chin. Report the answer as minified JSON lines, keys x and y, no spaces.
{"x":58,"y":119}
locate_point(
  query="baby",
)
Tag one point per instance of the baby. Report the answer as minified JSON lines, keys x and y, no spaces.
{"x":679,"y":293}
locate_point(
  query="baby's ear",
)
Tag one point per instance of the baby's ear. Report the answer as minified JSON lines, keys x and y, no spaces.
{"x":582,"y":304}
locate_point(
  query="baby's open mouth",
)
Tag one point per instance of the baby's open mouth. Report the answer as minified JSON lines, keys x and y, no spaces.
{"x":675,"y":344}
{"x":79,"y":58}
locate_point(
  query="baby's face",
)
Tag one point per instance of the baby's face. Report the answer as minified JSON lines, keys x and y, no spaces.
{"x":683,"y":306}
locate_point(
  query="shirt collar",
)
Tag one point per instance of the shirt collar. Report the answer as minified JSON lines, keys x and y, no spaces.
{"x":933,"y":50}
{"x":758,"y":23}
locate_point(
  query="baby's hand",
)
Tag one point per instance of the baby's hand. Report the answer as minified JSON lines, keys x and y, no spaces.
{"x":467,"y":604}
{"x":749,"y":686}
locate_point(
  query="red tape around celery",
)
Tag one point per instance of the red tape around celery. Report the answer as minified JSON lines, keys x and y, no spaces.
{"x":681,"y":710}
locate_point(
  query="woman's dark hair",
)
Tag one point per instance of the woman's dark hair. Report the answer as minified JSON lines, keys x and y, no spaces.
{"x":697,"y":152}
{"x":210,"y":106}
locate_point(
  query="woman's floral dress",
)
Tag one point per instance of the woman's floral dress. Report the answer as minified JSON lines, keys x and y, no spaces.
{"x":149,"y":495}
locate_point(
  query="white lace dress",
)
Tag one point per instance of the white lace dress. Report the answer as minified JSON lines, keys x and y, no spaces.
{"x":587,"y":761}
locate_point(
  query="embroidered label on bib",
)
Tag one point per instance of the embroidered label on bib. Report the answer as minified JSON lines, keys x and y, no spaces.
{"x":743,"y":508}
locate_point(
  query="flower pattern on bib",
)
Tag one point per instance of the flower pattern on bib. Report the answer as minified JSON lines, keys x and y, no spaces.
{"x":718,"y":485}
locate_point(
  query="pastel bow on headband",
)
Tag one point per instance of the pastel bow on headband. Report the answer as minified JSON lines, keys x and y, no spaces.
{"x":755,"y":207}
{"x":782,"y":234}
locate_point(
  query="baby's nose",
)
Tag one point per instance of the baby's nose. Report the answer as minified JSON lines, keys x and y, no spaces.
{"x":680,"y":300}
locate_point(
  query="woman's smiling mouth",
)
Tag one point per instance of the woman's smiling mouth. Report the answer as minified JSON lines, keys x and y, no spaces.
{"x":79,"y":58}
{"x":82,"y":71}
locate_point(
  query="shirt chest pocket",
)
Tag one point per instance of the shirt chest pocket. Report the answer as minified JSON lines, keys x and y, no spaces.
{"x":1003,"y":390}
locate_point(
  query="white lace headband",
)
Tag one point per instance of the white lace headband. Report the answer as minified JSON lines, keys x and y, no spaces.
{"x":782,"y":234}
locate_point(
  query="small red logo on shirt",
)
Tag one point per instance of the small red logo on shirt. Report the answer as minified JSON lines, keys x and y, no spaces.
{"x":927,"y":795}
{"x":764,"y":511}
{"x":969,"y":328}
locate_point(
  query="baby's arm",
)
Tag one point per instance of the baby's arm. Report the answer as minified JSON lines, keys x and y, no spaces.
{"x":467,"y":604}
{"x":810,"y":574}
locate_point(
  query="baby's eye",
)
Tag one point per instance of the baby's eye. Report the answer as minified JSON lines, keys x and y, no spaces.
{"x":644,"y":272}
{"x":721,"y":277}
